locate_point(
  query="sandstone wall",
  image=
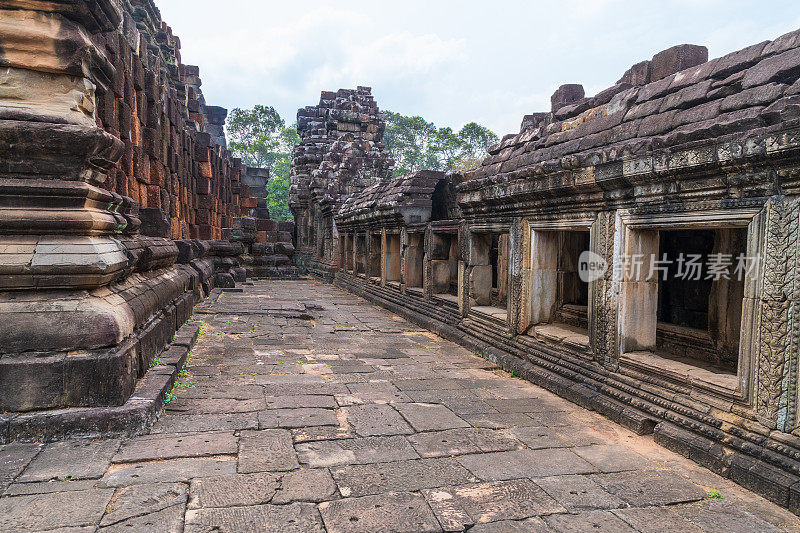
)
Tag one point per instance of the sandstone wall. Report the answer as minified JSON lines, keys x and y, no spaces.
{"x":116,"y":192}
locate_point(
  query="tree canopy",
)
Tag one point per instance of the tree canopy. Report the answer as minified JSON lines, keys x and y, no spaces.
{"x":260,"y":137}
{"x":417,"y":144}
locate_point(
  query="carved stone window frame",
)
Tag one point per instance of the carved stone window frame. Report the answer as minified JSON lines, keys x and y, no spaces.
{"x":541,"y":226}
{"x":632,"y":230}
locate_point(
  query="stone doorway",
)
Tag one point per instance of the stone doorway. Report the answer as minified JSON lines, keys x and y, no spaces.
{"x":374,"y":255}
{"x":391,"y":259}
{"x":414,"y":262}
{"x":444,"y":265}
{"x":488,"y":286}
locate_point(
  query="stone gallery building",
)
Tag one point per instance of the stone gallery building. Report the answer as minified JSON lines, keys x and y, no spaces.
{"x":120,"y":208}
{"x":635,"y":251}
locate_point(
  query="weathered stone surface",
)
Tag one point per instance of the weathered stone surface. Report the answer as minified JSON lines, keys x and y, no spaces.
{"x":314,"y":485}
{"x":266,"y":450}
{"x":141,"y":500}
{"x":167,"y":471}
{"x":462,"y":441}
{"x":301,"y":401}
{"x":460,"y":507}
{"x":656,"y":520}
{"x":429,"y":417}
{"x":233,"y":490}
{"x":297,"y":418}
{"x":170,"y":446}
{"x":13,"y":458}
{"x":294,"y":518}
{"x":375,"y":420}
{"x":399,"y":511}
{"x":76,"y":459}
{"x":588,"y":521}
{"x":578,"y":493}
{"x":169,"y":520}
{"x":41,"y":512}
{"x":652,"y":487}
{"x":613,"y":458}
{"x":361,"y":480}
{"x":355,"y":451}
{"x":525,"y":463}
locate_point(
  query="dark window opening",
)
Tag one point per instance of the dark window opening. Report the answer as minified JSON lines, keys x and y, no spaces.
{"x":684,"y":302}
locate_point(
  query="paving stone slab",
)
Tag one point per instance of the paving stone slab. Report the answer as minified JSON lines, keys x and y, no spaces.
{"x":375,"y":420}
{"x":317,"y":433}
{"x":356,"y":451}
{"x":657,"y":520}
{"x":168,"y":520}
{"x":140,"y":500}
{"x":651,"y":487}
{"x":175,"y":423}
{"x":588,"y":521}
{"x":289,"y":379}
{"x":500,"y":420}
{"x":315,"y":485}
{"x":266,"y":450}
{"x":167,"y":471}
{"x":233,"y":490}
{"x":73,"y":459}
{"x":14,"y":458}
{"x":398,"y":511}
{"x":579,"y":493}
{"x":531,"y":525}
{"x":613,"y":458}
{"x":196,"y":406}
{"x":301,"y":400}
{"x":41,"y":512}
{"x":719,"y":515}
{"x":171,"y":446}
{"x":297,"y":418}
{"x":539,"y":437}
{"x":46,"y":487}
{"x":525,"y":463}
{"x":294,"y":518}
{"x":362,"y":480}
{"x":461,"y":442}
{"x":429,"y":416}
{"x":460,"y":507}
{"x":427,"y":384}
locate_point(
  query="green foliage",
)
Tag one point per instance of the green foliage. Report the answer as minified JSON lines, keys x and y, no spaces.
{"x":416,"y":144}
{"x":260,"y":137}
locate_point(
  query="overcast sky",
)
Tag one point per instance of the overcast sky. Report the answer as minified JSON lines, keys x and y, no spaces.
{"x":451,"y":62}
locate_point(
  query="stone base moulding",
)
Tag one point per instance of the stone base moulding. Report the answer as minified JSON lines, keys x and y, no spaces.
{"x":133,"y":417}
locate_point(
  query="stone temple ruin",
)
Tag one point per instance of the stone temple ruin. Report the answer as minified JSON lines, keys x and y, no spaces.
{"x":681,"y":157}
{"x":121,"y":208}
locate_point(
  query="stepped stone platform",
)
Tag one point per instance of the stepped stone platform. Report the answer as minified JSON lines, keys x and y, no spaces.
{"x":305,"y":408}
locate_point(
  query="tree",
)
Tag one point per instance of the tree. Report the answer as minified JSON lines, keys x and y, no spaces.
{"x":417,"y":144}
{"x":260,"y":137}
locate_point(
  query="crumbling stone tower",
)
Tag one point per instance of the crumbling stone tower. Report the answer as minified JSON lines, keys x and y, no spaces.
{"x":341,"y":152}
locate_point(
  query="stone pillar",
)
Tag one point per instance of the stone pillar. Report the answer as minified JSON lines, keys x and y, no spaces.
{"x":84,"y":301}
{"x":603,"y":308}
{"x":516,"y":248}
{"x":544,"y":273}
{"x":639,"y":303}
{"x":772,"y":314}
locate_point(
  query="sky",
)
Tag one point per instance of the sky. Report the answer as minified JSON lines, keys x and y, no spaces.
{"x":451,"y":62}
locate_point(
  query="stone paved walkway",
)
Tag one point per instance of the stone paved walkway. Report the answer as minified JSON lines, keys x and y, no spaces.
{"x":306,"y":409}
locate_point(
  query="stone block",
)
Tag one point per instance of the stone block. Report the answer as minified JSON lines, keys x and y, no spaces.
{"x":675,"y":59}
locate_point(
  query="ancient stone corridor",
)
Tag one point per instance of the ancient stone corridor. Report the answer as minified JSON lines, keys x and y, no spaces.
{"x":305,"y":408}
